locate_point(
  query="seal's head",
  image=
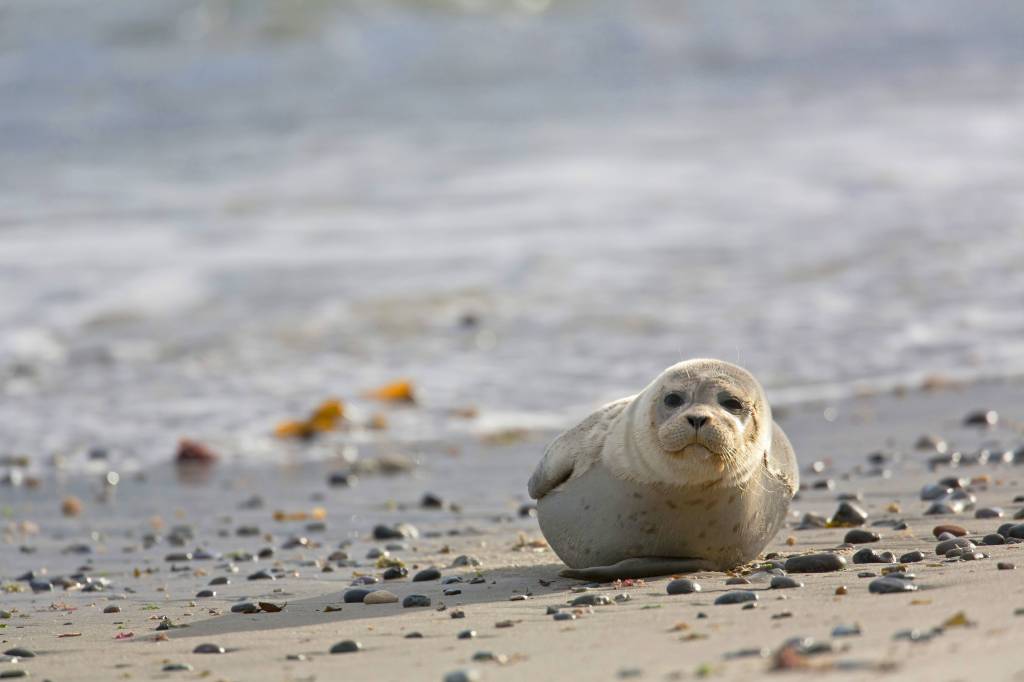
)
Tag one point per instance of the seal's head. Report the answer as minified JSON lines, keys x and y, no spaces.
{"x":701,"y":422}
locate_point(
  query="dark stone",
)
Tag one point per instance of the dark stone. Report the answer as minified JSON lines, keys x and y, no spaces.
{"x":395,"y":572}
{"x":1006,"y":566}
{"x":427,"y":574}
{"x":205,"y":594}
{"x":737,"y":597}
{"x":414,"y":600}
{"x":682,"y":586}
{"x":341,"y":479}
{"x":889,"y":585}
{"x":220,"y":580}
{"x":262,"y":575}
{"x":245,"y":607}
{"x":347,"y":646}
{"x":849,"y":514}
{"x":859,"y":536}
{"x":20,"y":652}
{"x":431,"y":501}
{"x":591,"y":599}
{"x":993,"y":539}
{"x":355,"y":595}
{"x":737,"y":580}
{"x":912,"y":557}
{"x":467,"y":634}
{"x":984,"y":418}
{"x":821,"y":562}
{"x":870,"y":556}
{"x":209,"y":649}
{"x":112,"y":609}
{"x":782,"y":582}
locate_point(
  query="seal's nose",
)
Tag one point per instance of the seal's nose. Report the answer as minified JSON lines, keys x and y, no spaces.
{"x":695,"y":421}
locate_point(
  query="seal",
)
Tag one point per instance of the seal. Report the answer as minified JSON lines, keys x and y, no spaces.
{"x":690,"y":474}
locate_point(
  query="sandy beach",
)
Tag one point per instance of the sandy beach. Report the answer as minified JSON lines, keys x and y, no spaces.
{"x":150,"y":537}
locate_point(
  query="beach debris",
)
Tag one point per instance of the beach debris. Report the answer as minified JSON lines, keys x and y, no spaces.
{"x":400,"y":391}
{"x":192,"y":451}
{"x":328,"y":416}
{"x":957,"y":620}
{"x":848,"y":515}
{"x":270,"y":607}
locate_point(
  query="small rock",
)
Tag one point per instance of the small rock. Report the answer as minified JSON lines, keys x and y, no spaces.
{"x":848,"y":514}
{"x":1006,"y":566}
{"x":205,"y":594}
{"x":245,"y":607}
{"x":591,"y":599}
{"x":356,"y":595}
{"x":889,"y":585}
{"x":682,"y":586}
{"x":20,"y":652}
{"x":782,"y":582}
{"x":989,"y":513}
{"x":859,"y":536}
{"x":870,"y":556}
{"x":912,"y":557}
{"x":346,"y":646}
{"x":112,"y":609}
{"x":984,"y":418}
{"x":177,"y":667}
{"x":822,"y":562}
{"x":427,"y":574}
{"x":415,"y":600}
{"x":467,"y":634}
{"x":736,"y":597}
{"x":952,"y":529}
{"x":464,"y":675}
{"x":209,"y":649}
{"x":846,"y":630}
{"x":946,"y":545}
{"x":380,"y":597}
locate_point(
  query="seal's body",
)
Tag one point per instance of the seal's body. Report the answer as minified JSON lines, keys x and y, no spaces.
{"x":690,"y":474}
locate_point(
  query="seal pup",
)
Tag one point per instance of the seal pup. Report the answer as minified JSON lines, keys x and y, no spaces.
{"x":690,"y":474}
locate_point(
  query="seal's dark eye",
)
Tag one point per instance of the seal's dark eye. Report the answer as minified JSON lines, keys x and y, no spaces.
{"x":730,"y":403}
{"x":673,"y":399}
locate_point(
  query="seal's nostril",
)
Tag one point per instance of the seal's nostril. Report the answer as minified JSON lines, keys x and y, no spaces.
{"x":696,"y":422}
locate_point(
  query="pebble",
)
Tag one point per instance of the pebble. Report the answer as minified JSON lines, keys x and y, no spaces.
{"x":209,"y":649}
{"x":12,"y":674}
{"x":414,"y":635}
{"x":989,"y":513}
{"x":846,"y":630}
{"x":591,"y":599}
{"x":738,"y":580}
{"x":562,"y":615}
{"x":220,"y":580}
{"x":889,"y":585}
{"x":947,"y":545}
{"x":934,"y":491}
{"x":822,"y":562}
{"x":849,"y":514}
{"x":347,"y":646}
{"x":466,"y":560}
{"x":112,"y":609}
{"x":414,"y":600}
{"x":1006,"y":566}
{"x":355,"y":595}
{"x":463,"y":675}
{"x":912,"y":557}
{"x":205,"y":594}
{"x":177,"y":667}
{"x":737,"y":597}
{"x":467,"y":634}
{"x":993,"y":539}
{"x":984,"y":418}
{"x":427,"y":574}
{"x":40,"y":586}
{"x":451,"y":591}
{"x":682,"y":586}
{"x":942,"y":508}
{"x":859,"y":536}
{"x":1015,"y":531}
{"x":262,"y":575}
{"x":952,"y":529}
{"x":782,"y":582}
{"x":395,"y":572}
{"x":20,"y":652}
{"x":380,"y":597}
{"x":870,"y":556}
{"x":245,"y":607}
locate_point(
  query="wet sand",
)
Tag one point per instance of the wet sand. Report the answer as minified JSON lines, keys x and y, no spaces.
{"x":652,"y":635}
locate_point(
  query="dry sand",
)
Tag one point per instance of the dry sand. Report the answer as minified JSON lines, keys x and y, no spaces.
{"x":652,"y":636}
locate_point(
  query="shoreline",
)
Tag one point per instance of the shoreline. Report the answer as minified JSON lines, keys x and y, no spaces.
{"x":650,"y":636}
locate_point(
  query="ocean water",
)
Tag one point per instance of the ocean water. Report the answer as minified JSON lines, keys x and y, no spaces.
{"x":213,"y":214}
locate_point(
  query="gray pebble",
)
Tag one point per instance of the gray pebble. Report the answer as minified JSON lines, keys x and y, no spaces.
{"x":20,"y":652}
{"x":395,"y":572}
{"x":870,"y":556}
{"x":209,"y":649}
{"x":464,"y":675}
{"x":414,"y":600}
{"x":220,"y":580}
{"x":467,"y":634}
{"x":347,"y":646}
{"x":682,"y":586}
{"x":859,"y":536}
{"x":989,"y":513}
{"x":912,"y":557}
{"x":355,"y":595}
{"x":205,"y":594}
{"x":849,"y":514}
{"x":946,"y":545}
{"x":427,"y":574}
{"x":1006,"y":566}
{"x":782,"y":582}
{"x":737,"y":597}
{"x":177,"y":667}
{"x":889,"y":585}
{"x":262,"y":575}
{"x":822,"y":562}
{"x":934,"y":492}
{"x":245,"y":607}
{"x":562,"y":615}
{"x":737,"y":580}
{"x":591,"y":600}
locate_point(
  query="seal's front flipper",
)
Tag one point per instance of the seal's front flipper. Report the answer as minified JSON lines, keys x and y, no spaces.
{"x":640,"y":567}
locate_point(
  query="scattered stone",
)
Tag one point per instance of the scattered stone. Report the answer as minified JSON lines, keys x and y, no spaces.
{"x":989,"y":513}
{"x":205,"y":594}
{"x":177,"y":667}
{"x":737,"y":597}
{"x":822,"y":562}
{"x":467,"y":634}
{"x":848,"y":514}
{"x":952,"y":529}
{"x":463,"y":675}
{"x":890,"y":585}
{"x":466,"y":560}
{"x":71,"y":506}
{"x":737,"y":580}
{"x":591,"y":599}
{"x":871,"y":556}
{"x":220,"y":580}
{"x":912,"y":557}
{"x":355,"y":595}
{"x":262,"y":575}
{"x":427,"y":574}
{"x":983,"y":418}
{"x":562,"y":615}
{"x":946,"y":545}
{"x":245,"y":607}
{"x":859,"y":536}
{"x":682,"y":586}
{"x":20,"y":652}
{"x":415,"y":600}
{"x":209,"y":649}
{"x":380,"y":597}
{"x":347,"y":646}
{"x":112,"y":609}
{"x":846,"y":630}
{"x":1006,"y":566}
{"x":395,"y":573}
{"x":782,"y":582}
